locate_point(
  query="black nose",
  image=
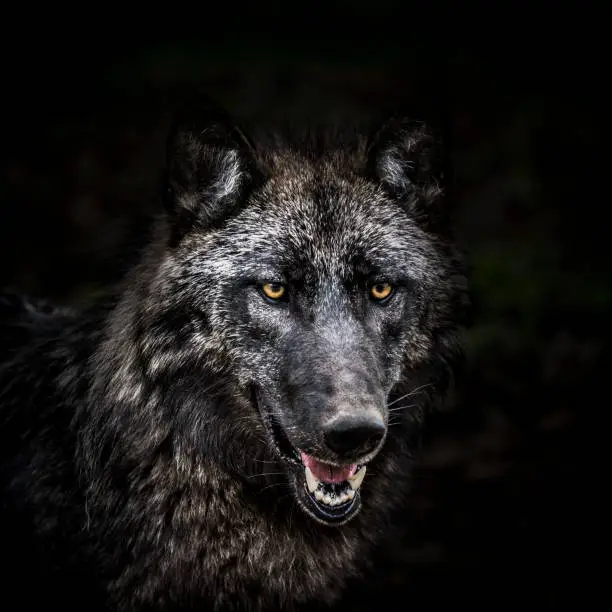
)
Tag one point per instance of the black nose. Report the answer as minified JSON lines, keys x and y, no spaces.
{"x":354,"y":435}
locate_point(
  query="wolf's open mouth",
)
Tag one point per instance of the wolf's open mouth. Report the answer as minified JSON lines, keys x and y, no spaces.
{"x":328,"y":493}
{"x":333,"y":489}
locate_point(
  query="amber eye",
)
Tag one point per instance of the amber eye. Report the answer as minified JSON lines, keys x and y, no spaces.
{"x":273,"y":291}
{"x":381,"y":291}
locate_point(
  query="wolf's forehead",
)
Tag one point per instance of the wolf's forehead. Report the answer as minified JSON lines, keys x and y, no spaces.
{"x":324,"y":229}
{"x":321,"y":217}
{"x":326,"y":210}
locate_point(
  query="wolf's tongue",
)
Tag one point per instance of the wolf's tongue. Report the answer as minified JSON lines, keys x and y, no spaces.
{"x":326,"y":472}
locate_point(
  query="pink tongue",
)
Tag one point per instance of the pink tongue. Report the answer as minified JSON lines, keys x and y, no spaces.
{"x":325,"y":472}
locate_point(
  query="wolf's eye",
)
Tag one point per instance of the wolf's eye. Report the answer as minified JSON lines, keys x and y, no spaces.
{"x":273,"y":291}
{"x":381,"y":291}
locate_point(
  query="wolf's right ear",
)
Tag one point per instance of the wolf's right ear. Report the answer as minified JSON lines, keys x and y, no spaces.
{"x":209,"y":165}
{"x":405,"y":157}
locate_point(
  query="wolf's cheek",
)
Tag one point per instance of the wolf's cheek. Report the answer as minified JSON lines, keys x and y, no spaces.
{"x":259,"y":330}
{"x":387,"y":330}
{"x":266,"y":324}
{"x":405,"y":336}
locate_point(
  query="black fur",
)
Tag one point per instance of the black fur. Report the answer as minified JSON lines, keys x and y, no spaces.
{"x":147,"y":446}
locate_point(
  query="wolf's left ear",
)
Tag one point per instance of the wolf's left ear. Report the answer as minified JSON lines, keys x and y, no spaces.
{"x":405,"y":156}
{"x":209,"y":165}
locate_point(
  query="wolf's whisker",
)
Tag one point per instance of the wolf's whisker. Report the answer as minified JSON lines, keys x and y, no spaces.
{"x":409,"y":394}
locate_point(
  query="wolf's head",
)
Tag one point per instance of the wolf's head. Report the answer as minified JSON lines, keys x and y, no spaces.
{"x":319,"y":280}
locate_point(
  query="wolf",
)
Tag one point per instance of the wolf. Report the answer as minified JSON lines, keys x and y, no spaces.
{"x":232,"y":427}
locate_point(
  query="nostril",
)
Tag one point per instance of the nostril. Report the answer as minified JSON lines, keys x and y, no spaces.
{"x":354,"y":435}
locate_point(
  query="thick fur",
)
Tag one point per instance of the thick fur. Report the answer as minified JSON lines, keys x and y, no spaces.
{"x":137,"y":469}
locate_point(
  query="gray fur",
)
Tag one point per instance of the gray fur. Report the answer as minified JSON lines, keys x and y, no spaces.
{"x":135,"y":445}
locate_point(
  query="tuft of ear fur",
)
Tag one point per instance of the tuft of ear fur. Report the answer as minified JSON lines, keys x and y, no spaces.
{"x":405,"y":157}
{"x":209,"y":165}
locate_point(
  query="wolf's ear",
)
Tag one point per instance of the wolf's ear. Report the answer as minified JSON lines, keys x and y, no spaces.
{"x":209,"y":165}
{"x":405,"y":156}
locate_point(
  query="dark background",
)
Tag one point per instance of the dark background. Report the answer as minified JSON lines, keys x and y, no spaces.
{"x":503,"y":508}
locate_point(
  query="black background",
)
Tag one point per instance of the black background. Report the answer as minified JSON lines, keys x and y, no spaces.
{"x":504,"y":508}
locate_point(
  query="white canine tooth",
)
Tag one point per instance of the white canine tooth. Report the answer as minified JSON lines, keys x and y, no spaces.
{"x":318,"y":494}
{"x":311,"y":480}
{"x":327,"y":499}
{"x":350,"y":494}
{"x":356,"y":479}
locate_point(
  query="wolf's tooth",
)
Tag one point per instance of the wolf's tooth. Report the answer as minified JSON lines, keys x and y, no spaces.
{"x":350,"y":493}
{"x":311,"y":480}
{"x":318,"y":494}
{"x":356,"y":479}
